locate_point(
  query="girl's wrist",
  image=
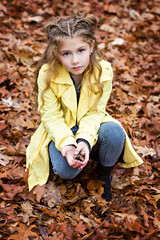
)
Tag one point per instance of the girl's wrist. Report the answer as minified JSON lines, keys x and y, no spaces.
{"x":83,"y":140}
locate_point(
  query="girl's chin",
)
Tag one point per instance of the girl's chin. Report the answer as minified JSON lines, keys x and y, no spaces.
{"x":77,"y":72}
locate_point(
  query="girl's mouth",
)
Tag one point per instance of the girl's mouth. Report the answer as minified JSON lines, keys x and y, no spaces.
{"x":76,"y":68}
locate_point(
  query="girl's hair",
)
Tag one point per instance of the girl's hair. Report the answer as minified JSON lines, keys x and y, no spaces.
{"x":81,"y":25}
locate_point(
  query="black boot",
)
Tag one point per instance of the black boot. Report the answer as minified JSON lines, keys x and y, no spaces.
{"x":107,"y":195}
{"x":104,"y":174}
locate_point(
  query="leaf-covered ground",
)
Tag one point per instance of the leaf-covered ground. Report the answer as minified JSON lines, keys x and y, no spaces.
{"x":128,"y":34}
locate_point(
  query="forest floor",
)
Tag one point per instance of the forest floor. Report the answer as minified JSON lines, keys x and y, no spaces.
{"x":128,"y":34}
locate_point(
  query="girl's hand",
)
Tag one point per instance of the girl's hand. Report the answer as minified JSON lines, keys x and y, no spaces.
{"x":82,"y":148}
{"x":68,"y":152}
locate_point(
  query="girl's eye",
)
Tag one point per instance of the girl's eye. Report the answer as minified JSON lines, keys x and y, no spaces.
{"x":65,"y":54}
{"x":81,"y":50}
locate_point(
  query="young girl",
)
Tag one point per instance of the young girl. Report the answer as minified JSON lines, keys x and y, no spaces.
{"x":74,"y":85}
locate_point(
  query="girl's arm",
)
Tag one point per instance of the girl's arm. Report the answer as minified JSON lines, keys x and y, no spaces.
{"x":90,"y":123}
{"x":52,"y":115}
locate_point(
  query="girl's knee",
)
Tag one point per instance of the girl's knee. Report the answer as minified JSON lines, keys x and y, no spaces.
{"x":111,"y":139}
{"x":112,"y":133}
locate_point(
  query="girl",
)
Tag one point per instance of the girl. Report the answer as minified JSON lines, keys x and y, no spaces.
{"x":74,"y":85}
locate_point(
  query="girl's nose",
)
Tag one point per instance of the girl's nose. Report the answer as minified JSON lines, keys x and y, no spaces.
{"x":75,"y":59}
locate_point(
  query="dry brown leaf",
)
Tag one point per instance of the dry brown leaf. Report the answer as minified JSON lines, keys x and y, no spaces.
{"x":27,"y":213}
{"x":23,"y":232}
{"x":153,"y":110}
{"x":39,"y":191}
{"x":81,"y":227}
{"x":11,"y":190}
{"x":90,"y":223}
{"x":95,"y":187}
{"x":21,"y":120}
{"x":107,"y":28}
{"x":52,"y":195}
{"x":4,"y":159}
{"x":124,"y":215}
{"x":145,"y":151}
{"x":27,"y":208}
{"x":156,"y":222}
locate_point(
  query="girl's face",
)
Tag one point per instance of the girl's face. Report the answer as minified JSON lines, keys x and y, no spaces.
{"x":74,"y":55}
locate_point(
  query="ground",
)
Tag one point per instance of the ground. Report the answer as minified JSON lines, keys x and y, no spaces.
{"x":128,"y":35}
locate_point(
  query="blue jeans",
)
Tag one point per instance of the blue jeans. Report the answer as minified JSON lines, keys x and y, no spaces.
{"x":107,"y":150}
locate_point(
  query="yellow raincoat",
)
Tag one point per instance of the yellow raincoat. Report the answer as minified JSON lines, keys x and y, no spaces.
{"x":60,"y":113}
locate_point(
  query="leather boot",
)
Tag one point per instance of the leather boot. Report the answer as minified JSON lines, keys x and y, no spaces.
{"x":107,"y":195}
{"x":104,"y":174}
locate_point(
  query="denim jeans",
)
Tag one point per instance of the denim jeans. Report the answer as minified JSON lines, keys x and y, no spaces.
{"x":108,"y":150}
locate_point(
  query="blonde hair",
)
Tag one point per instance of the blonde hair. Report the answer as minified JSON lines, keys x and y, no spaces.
{"x":81,"y":25}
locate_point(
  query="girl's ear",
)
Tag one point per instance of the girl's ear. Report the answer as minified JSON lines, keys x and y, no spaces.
{"x":92,"y":46}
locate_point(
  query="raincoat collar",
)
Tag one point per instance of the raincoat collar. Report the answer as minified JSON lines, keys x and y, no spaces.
{"x":63,"y":77}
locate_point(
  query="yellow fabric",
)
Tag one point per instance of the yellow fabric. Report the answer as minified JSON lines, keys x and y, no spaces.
{"x":59,"y":114}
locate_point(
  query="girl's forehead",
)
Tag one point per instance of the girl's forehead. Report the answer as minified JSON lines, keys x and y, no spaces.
{"x":72,"y":40}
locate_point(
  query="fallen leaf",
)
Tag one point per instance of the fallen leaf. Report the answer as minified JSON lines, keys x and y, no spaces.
{"x":23,"y":232}
{"x":39,"y":191}
{"x":118,"y":42}
{"x":35,"y":19}
{"x":124,"y":215}
{"x":52,"y":195}
{"x":3,"y":125}
{"x":81,"y":227}
{"x":152,"y":109}
{"x":4,"y":159}
{"x":145,"y":151}
{"x":107,"y":28}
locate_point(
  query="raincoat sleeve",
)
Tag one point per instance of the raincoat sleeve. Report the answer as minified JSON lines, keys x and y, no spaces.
{"x":52,"y":116}
{"x":90,"y":123}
